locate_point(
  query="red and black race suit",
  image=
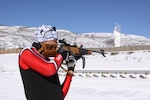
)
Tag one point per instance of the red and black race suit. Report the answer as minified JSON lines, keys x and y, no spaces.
{"x":39,"y":76}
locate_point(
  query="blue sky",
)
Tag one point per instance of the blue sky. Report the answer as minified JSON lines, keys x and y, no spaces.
{"x":79,"y":16}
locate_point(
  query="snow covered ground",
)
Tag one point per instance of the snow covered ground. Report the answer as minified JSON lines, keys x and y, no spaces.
{"x":87,"y":88}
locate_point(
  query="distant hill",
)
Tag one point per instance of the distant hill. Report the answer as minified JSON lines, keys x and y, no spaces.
{"x":21,"y":36}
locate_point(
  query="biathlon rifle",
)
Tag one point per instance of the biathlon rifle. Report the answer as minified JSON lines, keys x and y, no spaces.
{"x":78,"y":52}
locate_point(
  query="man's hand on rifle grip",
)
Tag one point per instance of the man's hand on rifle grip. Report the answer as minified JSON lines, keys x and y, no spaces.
{"x":65,"y":54}
{"x":71,"y":62}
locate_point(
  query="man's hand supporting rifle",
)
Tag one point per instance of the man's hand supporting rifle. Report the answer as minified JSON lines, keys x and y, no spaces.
{"x":69,"y":59}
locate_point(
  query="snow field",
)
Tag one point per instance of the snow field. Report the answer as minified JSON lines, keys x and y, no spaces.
{"x":88,"y":85}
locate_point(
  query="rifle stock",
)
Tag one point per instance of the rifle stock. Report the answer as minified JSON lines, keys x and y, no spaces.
{"x":77,"y":51}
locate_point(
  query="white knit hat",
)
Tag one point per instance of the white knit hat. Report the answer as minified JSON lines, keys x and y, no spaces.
{"x":45,"y":33}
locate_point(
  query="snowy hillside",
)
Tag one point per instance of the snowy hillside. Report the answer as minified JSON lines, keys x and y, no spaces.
{"x":21,"y":36}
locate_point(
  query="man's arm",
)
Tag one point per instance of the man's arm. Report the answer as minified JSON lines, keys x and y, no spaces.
{"x":31,"y":60}
{"x":66,"y":84}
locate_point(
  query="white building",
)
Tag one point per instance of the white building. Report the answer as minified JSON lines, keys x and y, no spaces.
{"x":117,"y":31}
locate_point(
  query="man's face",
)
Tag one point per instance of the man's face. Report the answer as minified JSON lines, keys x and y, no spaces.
{"x":49,"y":48}
{"x":51,"y":44}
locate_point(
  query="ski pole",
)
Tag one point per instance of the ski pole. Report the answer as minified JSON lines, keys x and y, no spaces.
{"x":68,"y":72}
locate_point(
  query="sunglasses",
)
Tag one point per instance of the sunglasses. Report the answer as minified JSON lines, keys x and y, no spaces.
{"x":50,"y":47}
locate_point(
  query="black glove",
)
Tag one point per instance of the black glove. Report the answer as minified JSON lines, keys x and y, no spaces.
{"x":63,"y":52}
{"x":71,"y":62}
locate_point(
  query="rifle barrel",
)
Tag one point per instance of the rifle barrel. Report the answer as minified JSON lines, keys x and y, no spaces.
{"x":102,"y":52}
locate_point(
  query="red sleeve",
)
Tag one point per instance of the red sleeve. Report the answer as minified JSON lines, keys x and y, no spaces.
{"x":66,"y":84}
{"x":31,"y":60}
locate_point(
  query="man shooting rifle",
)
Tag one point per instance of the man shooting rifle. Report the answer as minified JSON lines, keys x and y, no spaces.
{"x":39,"y":66}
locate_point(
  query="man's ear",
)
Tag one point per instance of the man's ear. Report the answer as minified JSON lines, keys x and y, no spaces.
{"x":38,"y":46}
{"x":41,"y":50}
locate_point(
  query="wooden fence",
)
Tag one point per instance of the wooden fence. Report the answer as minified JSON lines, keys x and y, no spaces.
{"x":124,"y":48}
{"x":4,"y":51}
{"x":110,"y":49}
